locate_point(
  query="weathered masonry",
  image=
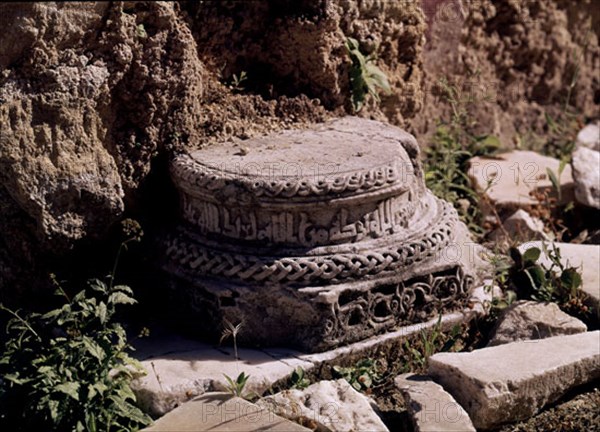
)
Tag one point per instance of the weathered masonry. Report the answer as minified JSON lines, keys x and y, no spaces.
{"x":315,"y":238}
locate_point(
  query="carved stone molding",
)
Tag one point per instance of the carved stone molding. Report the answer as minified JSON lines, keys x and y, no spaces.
{"x":315,"y":238}
{"x":198,"y":259}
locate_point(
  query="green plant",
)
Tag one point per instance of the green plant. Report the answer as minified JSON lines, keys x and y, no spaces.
{"x":68,"y":369}
{"x":428,"y":343}
{"x":230,"y":330}
{"x":140,"y":31}
{"x":365,"y":77}
{"x":236,"y":387}
{"x":361,"y":376}
{"x":554,"y":283}
{"x":237,"y":81}
{"x":446,"y":161}
{"x":298,"y":379}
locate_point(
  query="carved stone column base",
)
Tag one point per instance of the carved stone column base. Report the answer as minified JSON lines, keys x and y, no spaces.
{"x":314,"y":262}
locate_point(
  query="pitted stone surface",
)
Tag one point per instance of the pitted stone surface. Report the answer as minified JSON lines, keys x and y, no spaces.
{"x":317,"y":238}
{"x":329,"y":405}
{"x":514,"y":381}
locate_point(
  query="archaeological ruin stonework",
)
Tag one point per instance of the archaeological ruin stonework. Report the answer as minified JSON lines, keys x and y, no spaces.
{"x":315,"y":238}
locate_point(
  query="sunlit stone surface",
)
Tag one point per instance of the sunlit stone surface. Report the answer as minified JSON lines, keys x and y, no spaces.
{"x":315,"y":238}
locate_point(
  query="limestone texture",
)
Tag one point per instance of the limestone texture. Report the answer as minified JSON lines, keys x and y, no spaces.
{"x":86,"y":102}
{"x":586,"y":173}
{"x":192,"y":368}
{"x":432,"y":408}
{"x":224,"y":413}
{"x":529,"y":320}
{"x":96,"y":98}
{"x":514,"y":381}
{"x":327,"y":405}
{"x":515,"y":71}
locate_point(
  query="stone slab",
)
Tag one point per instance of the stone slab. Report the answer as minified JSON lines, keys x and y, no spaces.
{"x":584,"y":256}
{"x":530,"y":320}
{"x":514,"y":175}
{"x":432,"y":408}
{"x":220,"y":412}
{"x":327,"y":405}
{"x":180,"y":369}
{"x":512,"y":382}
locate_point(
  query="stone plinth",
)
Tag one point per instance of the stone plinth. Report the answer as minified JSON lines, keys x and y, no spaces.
{"x":316,"y":238}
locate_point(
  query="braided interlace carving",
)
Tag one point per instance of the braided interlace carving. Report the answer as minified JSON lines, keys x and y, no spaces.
{"x":200,"y":260}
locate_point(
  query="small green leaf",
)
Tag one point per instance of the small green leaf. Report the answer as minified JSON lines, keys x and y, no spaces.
{"x":120,"y":298}
{"x":536,"y":276}
{"x":531,"y":255}
{"x":491,"y":143}
{"x":554,"y":180}
{"x":52,"y":314}
{"x":53,"y":407}
{"x":124,"y":288}
{"x":93,"y":348}
{"x":101,"y":312}
{"x":69,"y":388}
{"x":98,"y":285}
{"x":571,"y":278}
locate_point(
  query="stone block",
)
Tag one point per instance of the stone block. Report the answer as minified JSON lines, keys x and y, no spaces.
{"x":512,"y":382}
{"x":327,"y":405}
{"x":223,"y":413}
{"x":432,"y":408}
{"x":180,"y":369}
{"x":508,"y":179}
{"x":530,"y":320}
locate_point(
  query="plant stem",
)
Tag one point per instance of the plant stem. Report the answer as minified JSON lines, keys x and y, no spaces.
{"x":16,"y":315}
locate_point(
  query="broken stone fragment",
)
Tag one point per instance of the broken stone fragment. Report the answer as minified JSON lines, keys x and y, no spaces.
{"x":512,"y":382}
{"x":327,"y":405}
{"x":432,"y":408}
{"x":529,"y":320}
{"x":586,"y":172}
{"x":589,"y":137}
{"x":520,"y":226}
{"x":510,"y":180}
